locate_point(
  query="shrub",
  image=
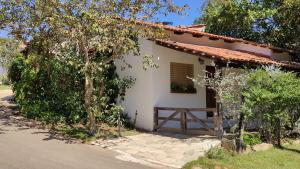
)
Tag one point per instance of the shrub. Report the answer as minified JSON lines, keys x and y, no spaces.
{"x":53,"y":91}
{"x":47,"y":89}
{"x":112,"y":116}
{"x":4,"y":80}
{"x":251,"y":139}
{"x":16,"y":68}
{"x":272,"y":97}
{"x":218,"y":153}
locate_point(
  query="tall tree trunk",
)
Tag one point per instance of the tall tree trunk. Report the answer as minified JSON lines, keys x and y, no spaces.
{"x":239,"y":136}
{"x":277,"y":132}
{"x":89,"y":92}
{"x":101,"y":94}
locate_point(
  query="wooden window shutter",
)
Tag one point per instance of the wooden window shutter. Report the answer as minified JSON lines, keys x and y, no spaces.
{"x":180,"y":73}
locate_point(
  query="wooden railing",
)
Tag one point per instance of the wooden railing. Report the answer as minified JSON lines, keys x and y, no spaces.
{"x":184,"y":113}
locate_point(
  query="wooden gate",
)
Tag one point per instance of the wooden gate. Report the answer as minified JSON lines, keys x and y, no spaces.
{"x":186,"y":116}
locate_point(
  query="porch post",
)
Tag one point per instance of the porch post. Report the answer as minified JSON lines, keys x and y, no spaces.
{"x":183,"y":121}
{"x":155,"y":119}
{"x":220,"y":121}
{"x":216,"y":122}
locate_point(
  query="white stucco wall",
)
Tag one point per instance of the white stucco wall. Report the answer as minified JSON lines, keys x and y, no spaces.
{"x":161,"y":84}
{"x":139,"y":98}
{"x":152,"y":87}
{"x":161,"y":80}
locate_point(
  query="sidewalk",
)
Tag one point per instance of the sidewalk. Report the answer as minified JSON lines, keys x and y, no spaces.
{"x":171,"y":150}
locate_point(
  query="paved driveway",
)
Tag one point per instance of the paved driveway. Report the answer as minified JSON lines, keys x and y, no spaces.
{"x":170,"y":150}
{"x":23,"y":146}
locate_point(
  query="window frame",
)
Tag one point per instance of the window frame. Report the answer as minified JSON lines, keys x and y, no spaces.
{"x":190,"y":88}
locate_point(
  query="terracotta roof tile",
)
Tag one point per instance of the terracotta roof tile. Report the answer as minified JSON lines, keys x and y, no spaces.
{"x":225,"y":54}
{"x":193,"y":26}
{"x":194,"y":32}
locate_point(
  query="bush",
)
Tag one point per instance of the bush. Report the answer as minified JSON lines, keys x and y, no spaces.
{"x":218,"y":153}
{"x":4,"y":80}
{"x":272,"y":97}
{"x":251,"y":139}
{"x":48,"y":90}
{"x":52,"y":90}
{"x":16,"y":68}
{"x":112,"y":116}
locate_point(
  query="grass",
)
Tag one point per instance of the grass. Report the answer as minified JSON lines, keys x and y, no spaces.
{"x":5,"y":87}
{"x":286,"y":158}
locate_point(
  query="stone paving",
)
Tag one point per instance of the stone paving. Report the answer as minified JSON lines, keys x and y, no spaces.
{"x":170,"y":150}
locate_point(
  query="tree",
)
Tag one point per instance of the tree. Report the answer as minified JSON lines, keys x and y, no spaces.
{"x":288,"y":20}
{"x":273,"y":22}
{"x":268,"y":95}
{"x":77,"y":31}
{"x":228,"y":86}
{"x":272,"y":97}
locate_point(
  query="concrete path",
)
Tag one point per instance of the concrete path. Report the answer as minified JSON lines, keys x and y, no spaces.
{"x":24,"y":146}
{"x":170,"y":150}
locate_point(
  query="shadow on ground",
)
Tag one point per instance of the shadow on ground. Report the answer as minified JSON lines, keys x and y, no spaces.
{"x":10,"y":116}
{"x":182,"y":136}
{"x":292,"y":150}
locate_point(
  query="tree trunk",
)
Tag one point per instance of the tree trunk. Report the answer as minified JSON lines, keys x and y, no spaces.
{"x":119,"y":124}
{"x":88,"y":93}
{"x":101,"y":94}
{"x":277,"y":132}
{"x":239,"y":136}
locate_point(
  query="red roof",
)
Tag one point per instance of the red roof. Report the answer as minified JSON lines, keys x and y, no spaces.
{"x":197,"y":33}
{"x":194,"y":26}
{"x":225,"y":54}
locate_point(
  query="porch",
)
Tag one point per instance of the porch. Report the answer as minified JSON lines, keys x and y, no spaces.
{"x":191,"y":121}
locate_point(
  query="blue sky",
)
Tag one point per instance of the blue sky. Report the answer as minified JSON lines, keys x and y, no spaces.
{"x":193,"y":12}
{"x":3,"y":34}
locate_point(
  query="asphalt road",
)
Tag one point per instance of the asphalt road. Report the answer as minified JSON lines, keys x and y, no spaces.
{"x":23,"y":146}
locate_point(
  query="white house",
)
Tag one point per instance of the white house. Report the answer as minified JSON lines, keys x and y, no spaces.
{"x":158,"y":92}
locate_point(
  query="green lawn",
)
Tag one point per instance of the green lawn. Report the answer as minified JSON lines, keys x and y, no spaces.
{"x":287,"y":158}
{"x":5,"y":87}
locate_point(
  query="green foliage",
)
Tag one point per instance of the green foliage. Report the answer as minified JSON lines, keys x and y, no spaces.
{"x":218,"y":153}
{"x":272,"y":97}
{"x":16,"y":68}
{"x":268,"y":95}
{"x":4,"y":79}
{"x":88,"y":35}
{"x":112,"y":118}
{"x":53,"y":91}
{"x":264,"y":21}
{"x":48,"y":89}
{"x":251,"y":139}
{"x":228,"y":86}
{"x":179,"y":88}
